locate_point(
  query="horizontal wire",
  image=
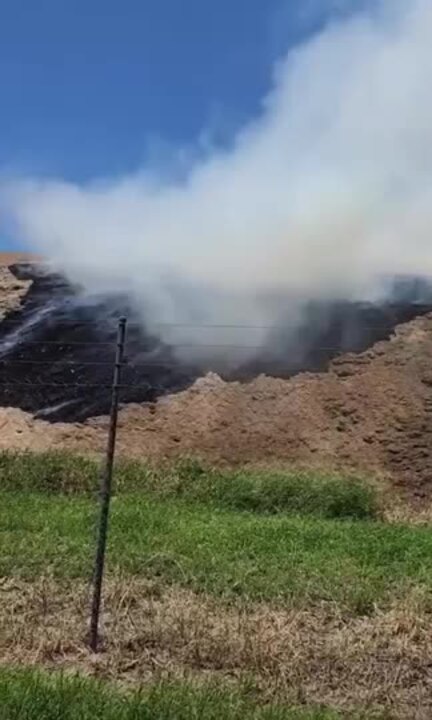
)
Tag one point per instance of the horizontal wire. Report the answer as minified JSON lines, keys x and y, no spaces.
{"x":326,"y":348}
{"x":87,"y":364}
{"x":136,"y":366}
{"x":63,"y":343}
{"x":61,"y":362}
{"x":150,"y":325}
{"x":107,"y":386}
{"x":157,"y":363}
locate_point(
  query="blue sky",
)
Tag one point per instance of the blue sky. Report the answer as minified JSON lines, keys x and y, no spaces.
{"x":91,"y":87}
{"x":98,"y":89}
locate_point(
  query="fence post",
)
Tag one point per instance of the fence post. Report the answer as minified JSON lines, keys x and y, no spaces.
{"x":105,"y":490}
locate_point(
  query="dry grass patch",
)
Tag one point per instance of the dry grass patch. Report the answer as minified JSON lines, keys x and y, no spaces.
{"x":316,"y":655}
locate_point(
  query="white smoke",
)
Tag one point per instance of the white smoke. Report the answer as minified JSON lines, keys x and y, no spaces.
{"x":324,"y":193}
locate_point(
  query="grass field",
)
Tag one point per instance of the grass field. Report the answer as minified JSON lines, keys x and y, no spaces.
{"x":321,"y":494}
{"x":228,"y":553}
{"x":293,"y":581}
{"x":35,"y":696}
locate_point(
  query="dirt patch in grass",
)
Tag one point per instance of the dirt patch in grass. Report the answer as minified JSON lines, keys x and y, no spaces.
{"x":315,"y":655}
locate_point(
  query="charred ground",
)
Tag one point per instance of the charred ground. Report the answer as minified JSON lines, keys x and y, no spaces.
{"x":57,"y":352}
{"x":57,"y":348}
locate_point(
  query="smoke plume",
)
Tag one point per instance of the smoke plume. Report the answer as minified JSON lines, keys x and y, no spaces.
{"x":324,"y":194}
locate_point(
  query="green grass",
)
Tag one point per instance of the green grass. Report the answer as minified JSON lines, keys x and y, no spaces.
{"x":223,"y":552}
{"x":319,"y":494}
{"x":28,"y":695}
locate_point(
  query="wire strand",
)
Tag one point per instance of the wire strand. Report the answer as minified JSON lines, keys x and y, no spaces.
{"x":108,"y":386}
{"x":150,"y":326}
{"x":269,"y":356}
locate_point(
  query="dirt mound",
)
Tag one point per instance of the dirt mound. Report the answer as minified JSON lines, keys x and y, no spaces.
{"x":10,"y":258}
{"x":21,"y":431}
{"x":12,"y":290}
{"x":371,"y":412}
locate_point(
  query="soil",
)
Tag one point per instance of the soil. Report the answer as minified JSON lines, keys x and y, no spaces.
{"x":371,"y":412}
{"x":12,"y":290}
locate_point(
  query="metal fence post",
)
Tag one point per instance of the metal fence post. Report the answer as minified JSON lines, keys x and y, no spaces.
{"x":105,"y":490}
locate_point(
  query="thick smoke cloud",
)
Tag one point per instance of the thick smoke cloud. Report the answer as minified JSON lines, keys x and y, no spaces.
{"x":324,"y":194}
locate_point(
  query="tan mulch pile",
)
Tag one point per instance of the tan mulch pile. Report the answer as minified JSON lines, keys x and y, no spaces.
{"x":12,"y":290}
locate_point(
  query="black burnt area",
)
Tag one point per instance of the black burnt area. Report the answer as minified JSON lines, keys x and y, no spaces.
{"x":57,"y":351}
{"x":329,"y":330}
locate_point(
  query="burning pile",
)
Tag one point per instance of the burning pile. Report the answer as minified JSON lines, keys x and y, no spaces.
{"x":57,"y":348}
{"x":370,"y":411}
{"x":57,"y":351}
